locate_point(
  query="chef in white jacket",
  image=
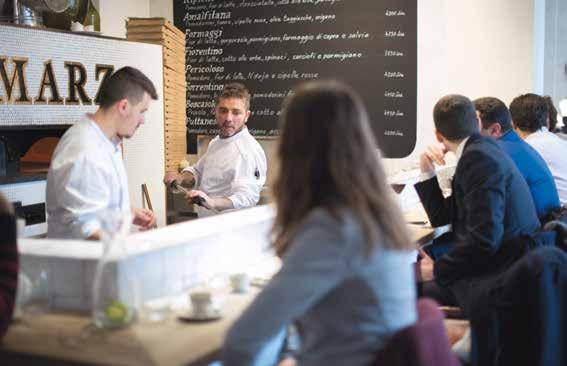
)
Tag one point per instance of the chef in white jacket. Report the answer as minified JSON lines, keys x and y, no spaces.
{"x":232,"y":172}
{"x":87,"y":176}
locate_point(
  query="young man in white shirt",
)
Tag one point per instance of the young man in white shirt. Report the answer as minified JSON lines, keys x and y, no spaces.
{"x":529,"y":117}
{"x":87,"y":174}
{"x":232,"y":172}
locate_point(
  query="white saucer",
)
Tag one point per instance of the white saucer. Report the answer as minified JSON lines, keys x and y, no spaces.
{"x":188,"y":315}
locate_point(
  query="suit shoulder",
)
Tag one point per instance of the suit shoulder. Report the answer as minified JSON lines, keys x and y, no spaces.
{"x":484,"y":154}
{"x":478,"y":142}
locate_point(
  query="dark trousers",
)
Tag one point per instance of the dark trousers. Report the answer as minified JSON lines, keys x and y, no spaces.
{"x":443,"y":295}
{"x":462,"y":291}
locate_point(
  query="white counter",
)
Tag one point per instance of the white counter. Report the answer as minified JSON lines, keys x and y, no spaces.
{"x":165,"y":261}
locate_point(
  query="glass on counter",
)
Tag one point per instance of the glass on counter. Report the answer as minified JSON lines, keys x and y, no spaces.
{"x":115,"y":289}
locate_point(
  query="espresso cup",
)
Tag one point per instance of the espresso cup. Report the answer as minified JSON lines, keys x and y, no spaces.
{"x":240,"y":282}
{"x":202,"y":303}
{"x":77,"y":27}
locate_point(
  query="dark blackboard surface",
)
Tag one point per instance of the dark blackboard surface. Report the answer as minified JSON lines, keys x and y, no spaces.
{"x":273,"y":45}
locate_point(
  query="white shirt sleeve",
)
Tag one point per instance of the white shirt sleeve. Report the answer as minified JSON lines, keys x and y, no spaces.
{"x":249,"y":178}
{"x":197,"y":170}
{"x":82,"y":191}
{"x":426,"y":175}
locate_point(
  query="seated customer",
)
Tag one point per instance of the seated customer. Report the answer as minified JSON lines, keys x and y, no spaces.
{"x":496,"y":122}
{"x":529,"y":116}
{"x":490,"y":208}
{"x":346,"y":279}
{"x":8,"y":264}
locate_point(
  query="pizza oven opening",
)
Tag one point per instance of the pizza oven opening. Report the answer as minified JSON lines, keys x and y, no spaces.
{"x":27,"y":150}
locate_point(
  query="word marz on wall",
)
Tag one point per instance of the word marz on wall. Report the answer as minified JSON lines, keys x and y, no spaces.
{"x":14,"y":85}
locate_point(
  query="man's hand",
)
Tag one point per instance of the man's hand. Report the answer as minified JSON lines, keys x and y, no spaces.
{"x":433,"y":154}
{"x":425,"y":266}
{"x":216,"y":204}
{"x":143,"y":218}
{"x":193,"y":195}
{"x":172,"y":176}
{"x":185,"y":179}
{"x":288,"y":361}
{"x":94,"y":236}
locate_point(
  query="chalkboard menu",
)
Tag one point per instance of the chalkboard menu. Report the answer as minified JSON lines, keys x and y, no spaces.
{"x":273,"y":45}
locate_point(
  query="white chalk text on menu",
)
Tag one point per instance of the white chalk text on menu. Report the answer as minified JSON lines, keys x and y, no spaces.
{"x":273,"y":45}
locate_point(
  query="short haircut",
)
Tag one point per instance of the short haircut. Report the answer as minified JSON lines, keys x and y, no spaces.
{"x":455,"y":117}
{"x":129,"y":83}
{"x":237,"y":91}
{"x":529,"y":112}
{"x":493,"y":110}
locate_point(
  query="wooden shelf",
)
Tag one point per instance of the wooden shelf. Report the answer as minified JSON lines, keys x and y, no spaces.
{"x":162,"y":32}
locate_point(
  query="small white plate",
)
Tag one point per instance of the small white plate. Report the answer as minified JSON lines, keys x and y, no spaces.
{"x":188,"y":315}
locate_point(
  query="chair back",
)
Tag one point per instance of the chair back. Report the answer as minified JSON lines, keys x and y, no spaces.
{"x":422,"y":344}
{"x":532,"y":312}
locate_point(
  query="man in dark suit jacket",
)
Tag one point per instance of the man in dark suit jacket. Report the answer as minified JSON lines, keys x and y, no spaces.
{"x":497,"y":122}
{"x":490,"y":209}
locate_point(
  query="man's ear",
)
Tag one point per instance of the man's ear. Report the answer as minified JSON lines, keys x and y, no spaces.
{"x":496,"y":130}
{"x":122,"y":106}
{"x":247,"y":116}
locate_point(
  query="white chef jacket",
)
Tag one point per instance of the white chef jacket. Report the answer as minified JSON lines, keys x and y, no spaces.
{"x":86,"y":177}
{"x":234,"y":167}
{"x":553,"y":150}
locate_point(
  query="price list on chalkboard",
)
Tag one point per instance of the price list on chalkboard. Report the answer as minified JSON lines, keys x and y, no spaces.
{"x":273,"y":45}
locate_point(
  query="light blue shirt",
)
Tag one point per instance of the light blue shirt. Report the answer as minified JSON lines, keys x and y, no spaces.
{"x":345,"y":302}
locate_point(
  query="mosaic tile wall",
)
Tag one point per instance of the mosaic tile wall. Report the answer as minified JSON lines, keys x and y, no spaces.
{"x":144,"y":153}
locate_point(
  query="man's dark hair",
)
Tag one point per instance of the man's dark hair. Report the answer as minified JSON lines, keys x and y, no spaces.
{"x":455,"y":117}
{"x":237,"y":91}
{"x":129,"y":83}
{"x":493,"y":110}
{"x":529,"y":112}
{"x":552,"y":114}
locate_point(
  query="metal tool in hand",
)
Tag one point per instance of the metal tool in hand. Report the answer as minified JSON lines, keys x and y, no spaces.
{"x":198,"y":200}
